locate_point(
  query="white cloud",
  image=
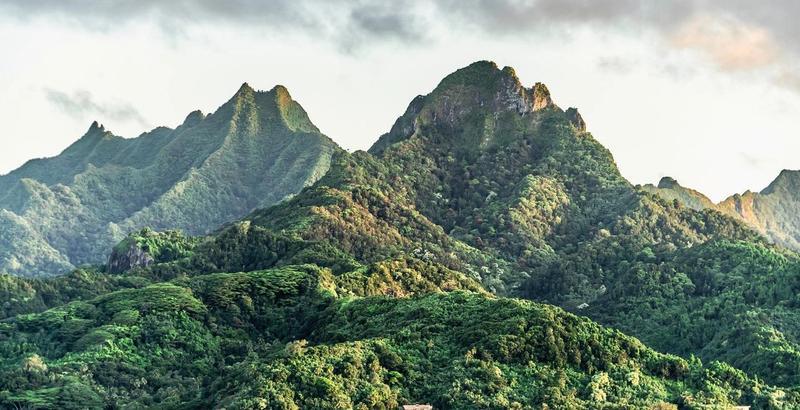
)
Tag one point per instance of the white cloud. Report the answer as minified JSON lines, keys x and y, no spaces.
{"x":731,"y":44}
{"x":82,"y":105}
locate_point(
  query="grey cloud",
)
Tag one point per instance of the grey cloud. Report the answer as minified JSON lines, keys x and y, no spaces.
{"x":617,"y":64}
{"x":515,"y":16}
{"x":744,"y":34}
{"x":386,"y":22}
{"x":369,"y":22}
{"x":347,"y":24}
{"x":733,"y":35}
{"x":110,"y":12}
{"x":81,"y":105}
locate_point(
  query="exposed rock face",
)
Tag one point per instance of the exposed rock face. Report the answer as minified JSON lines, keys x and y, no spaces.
{"x":541,"y":97}
{"x":667,"y":182}
{"x":479,"y":97}
{"x":787,"y":182}
{"x":575,"y":118}
{"x":126,"y":256}
{"x":741,"y":205}
{"x":668,"y":188}
{"x":773,"y":212}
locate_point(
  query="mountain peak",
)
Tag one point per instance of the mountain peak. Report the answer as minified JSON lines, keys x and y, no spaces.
{"x":480,"y":92}
{"x":245,"y":87}
{"x":95,"y":127}
{"x":280,"y":90}
{"x":667,"y":183}
{"x":541,"y":97}
{"x":243,"y":92}
{"x":478,"y":68}
{"x":483,"y":85}
{"x":788,"y":181}
{"x":484,"y":75}
{"x":575,"y":118}
{"x":276,"y":104}
{"x":96,"y":131}
{"x":193,"y":118}
{"x":282,"y":96}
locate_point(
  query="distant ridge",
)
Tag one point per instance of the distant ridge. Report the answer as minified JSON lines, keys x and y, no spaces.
{"x":399,"y":276}
{"x":774,"y":211}
{"x":255,"y":150}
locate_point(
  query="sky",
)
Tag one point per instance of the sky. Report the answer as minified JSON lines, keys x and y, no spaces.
{"x":707,"y":92}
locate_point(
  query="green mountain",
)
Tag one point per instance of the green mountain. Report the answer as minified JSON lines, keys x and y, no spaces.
{"x":492,"y":179}
{"x":399,"y":276}
{"x":772,"y":212}
{"x":669,"y":189}
{"x":255,"y":150}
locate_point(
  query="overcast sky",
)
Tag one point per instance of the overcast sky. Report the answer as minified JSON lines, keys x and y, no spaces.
{"x":705,"y":91}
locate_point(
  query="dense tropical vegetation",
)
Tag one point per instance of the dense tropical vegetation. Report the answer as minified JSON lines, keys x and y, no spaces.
{"x":400,"y":277}
{"x":301,"y":337}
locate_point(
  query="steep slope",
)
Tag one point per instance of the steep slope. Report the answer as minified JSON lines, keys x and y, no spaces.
{"x":362,"y":290}
{"x":773,"y":212}
{"x":254,"y":151}
{"x":475,"y":175}
{"x":669,"y":189}
{"x":490,"y":178}
{"x":22,"y":249}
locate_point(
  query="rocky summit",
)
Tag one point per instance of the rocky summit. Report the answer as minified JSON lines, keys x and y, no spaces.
{"x":485,"y":252}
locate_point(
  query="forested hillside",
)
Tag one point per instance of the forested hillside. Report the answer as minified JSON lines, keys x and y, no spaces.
{"x":773,"y":211}
{"x":399,"y":276}
{"x":487,"y":177}
{"x":254,"y":151}
{"x":302,"y":337}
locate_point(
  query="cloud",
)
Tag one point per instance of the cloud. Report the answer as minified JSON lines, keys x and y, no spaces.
{"x":81,"y":104}
{"x":348,"y":25}
{"x":756,"y":162}
{"x":733,"y":35}
{"x":731,"y":44}
{"x":616,"y":64}
{"x":377,"y":22}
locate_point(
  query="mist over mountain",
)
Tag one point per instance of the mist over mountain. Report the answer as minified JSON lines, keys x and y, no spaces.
{"x":484,"y":253}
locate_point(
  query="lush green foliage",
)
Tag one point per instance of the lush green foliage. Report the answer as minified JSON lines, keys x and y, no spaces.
{"x":161,"y":246}
{"x":292,"y":338}
{"x":20,"y":296}
{"x":254,"y":151}
{"x":390,"y":281}
{"x":533,"y":206}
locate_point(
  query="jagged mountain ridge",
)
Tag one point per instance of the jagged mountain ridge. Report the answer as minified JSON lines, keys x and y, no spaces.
{"x":524,"y":200}
{"x":773,"y":211}
{"x":427,"y":171}
{"x":477,"y":182}
{"x":255,"y":150}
